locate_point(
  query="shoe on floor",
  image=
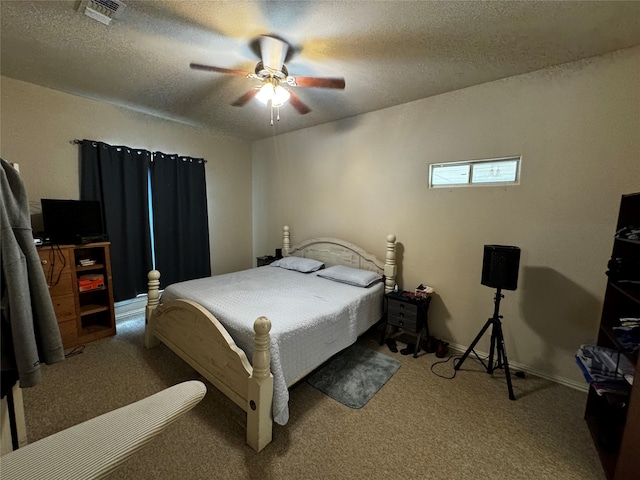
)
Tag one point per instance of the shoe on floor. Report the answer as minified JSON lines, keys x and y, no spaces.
{"x":431,"y":344}
{"x":411,"y":347}
{"x":442,"y":350}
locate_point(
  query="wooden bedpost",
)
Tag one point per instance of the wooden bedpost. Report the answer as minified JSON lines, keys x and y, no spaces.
{"x":286,"y":241}
{"x":153,"y":300}
{"x":260,"y":394}
{"x":390,"y":264}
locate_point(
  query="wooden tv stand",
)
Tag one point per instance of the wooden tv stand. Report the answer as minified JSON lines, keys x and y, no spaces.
{"x":84,"y":314}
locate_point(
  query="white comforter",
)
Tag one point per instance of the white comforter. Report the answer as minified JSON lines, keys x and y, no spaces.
{"x":312,"y":318}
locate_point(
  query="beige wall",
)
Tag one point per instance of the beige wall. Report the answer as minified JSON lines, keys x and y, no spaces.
{"x":37,"y":125}
{"x":577,"y":128}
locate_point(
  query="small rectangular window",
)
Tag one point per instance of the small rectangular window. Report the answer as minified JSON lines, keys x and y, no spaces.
{"x":450,"y":174}
{"x":498,"y":171}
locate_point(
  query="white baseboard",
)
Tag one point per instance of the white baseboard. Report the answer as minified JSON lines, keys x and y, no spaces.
{"x":582,"y":386}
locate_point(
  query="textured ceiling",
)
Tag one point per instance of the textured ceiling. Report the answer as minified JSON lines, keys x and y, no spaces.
{"x":388,"y":52}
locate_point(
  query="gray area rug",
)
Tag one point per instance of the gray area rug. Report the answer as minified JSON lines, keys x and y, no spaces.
{"x":354,"y":376}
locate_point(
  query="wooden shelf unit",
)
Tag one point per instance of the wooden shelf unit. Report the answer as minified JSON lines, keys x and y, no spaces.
{"x":614,"y":420}
{"x":82,"y":316}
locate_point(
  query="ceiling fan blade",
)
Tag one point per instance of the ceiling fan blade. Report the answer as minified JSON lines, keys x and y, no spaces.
{"x":274,"y":51}
{"x":208,"y":68}
{"x":298,"y":104}
{"x":316,"y":82}
{"x":246,"y":97}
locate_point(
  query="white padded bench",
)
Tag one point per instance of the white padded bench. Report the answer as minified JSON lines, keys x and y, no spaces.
{"x":93,"y":449}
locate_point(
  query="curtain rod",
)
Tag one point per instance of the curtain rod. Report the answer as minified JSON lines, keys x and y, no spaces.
{"x":75,"y":141}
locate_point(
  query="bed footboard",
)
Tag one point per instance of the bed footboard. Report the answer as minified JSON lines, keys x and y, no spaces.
{"x":197,"y":337}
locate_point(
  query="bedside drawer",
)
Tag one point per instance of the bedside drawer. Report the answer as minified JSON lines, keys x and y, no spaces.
{"x":406,"y":309}
{"x":266,"y":260}
{"x":400,"y":320}
{"x":404,"y":315}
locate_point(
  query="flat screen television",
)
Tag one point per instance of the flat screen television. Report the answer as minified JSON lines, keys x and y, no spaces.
{"x":73,"y":222}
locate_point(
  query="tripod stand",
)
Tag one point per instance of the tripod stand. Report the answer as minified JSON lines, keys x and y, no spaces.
{"x":497,"y":345}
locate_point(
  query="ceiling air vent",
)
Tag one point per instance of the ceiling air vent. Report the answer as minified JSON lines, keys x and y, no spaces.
{"x":102,"y":10}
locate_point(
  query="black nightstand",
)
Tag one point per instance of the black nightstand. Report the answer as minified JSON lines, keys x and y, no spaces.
{"x":265,"y":260}
{"x":407,"y":312}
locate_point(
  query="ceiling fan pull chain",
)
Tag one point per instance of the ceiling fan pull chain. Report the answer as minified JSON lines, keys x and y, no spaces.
{"x":278,"y":113}
{"x":272,"y":115}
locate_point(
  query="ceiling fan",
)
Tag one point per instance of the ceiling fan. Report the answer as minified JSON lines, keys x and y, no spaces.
{"x":274,"y":77}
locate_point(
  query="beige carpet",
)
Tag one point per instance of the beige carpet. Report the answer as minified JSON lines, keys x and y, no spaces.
{"x":418,"y":426}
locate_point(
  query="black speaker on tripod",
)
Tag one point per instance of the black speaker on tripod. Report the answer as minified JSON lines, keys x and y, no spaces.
{"x":500,"y":271}
{"x":500,"y":266}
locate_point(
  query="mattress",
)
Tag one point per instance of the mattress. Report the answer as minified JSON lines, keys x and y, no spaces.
{"x":312,"y":318}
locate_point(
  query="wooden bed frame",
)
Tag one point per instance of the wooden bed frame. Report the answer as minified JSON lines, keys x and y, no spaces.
{"x":201,"y":340}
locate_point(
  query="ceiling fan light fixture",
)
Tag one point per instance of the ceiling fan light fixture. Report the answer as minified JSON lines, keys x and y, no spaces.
{"x":273,"y":91}
{"x":280,"y":97}
{"x":275,"y":94}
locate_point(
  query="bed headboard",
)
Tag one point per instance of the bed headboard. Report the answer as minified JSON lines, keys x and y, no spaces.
{"x":334,"y":251}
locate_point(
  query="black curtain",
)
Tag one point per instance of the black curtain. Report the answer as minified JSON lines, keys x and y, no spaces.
{"x":180,"y":219}
{"x":119,"y":178}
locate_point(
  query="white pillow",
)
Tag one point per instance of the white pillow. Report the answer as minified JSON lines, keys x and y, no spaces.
{"x":351,"y":276}
{"x":299,"y":264}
